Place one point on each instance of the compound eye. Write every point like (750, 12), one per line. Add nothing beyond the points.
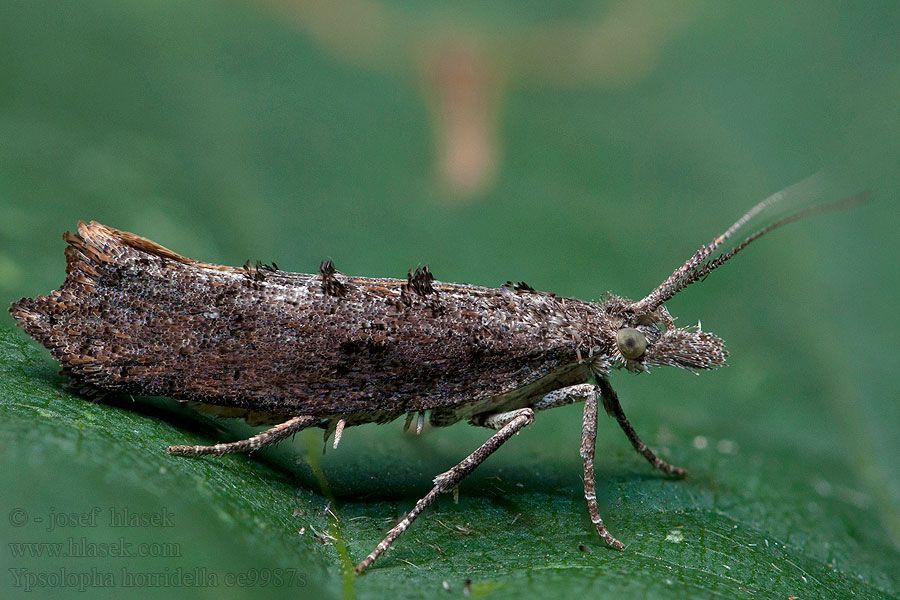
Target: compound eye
(631, 343)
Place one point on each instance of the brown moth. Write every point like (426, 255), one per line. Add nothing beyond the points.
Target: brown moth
(328, 350)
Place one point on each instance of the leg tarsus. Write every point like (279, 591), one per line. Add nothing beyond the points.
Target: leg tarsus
(269, 436)
(508, 424)
(614, 409)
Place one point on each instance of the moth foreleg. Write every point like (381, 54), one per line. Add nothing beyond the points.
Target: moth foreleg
(269, 436)
(614, 409)
(508, 424)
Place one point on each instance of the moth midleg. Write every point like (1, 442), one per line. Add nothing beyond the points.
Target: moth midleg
(566, 395)
(589, 393)
(588, 442)
(554, 399)
(508, 424)
(269, 436)
(614, 409)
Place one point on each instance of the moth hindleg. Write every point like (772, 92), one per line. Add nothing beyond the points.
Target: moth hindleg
(269, 436)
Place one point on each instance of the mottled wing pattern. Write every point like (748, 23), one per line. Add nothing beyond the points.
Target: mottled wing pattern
(136, 317)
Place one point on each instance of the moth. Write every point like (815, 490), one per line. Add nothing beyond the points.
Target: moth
(328, 350)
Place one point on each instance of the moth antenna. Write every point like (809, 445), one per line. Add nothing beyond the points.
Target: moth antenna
(700, 264)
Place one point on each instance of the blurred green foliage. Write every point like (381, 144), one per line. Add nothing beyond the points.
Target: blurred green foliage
(230, 130)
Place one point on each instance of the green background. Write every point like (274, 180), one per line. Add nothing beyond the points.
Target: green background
(236, 130)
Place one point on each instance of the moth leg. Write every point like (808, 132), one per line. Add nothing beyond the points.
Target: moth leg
(588, 442)
(269, 436)
(614, 409)
(507, 423)
(566, 395)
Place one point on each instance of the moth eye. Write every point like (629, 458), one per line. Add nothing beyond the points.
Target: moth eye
(631, 343)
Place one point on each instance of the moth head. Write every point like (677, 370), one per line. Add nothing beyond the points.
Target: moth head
(688, 348)
(645, 334)
(645, 340)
